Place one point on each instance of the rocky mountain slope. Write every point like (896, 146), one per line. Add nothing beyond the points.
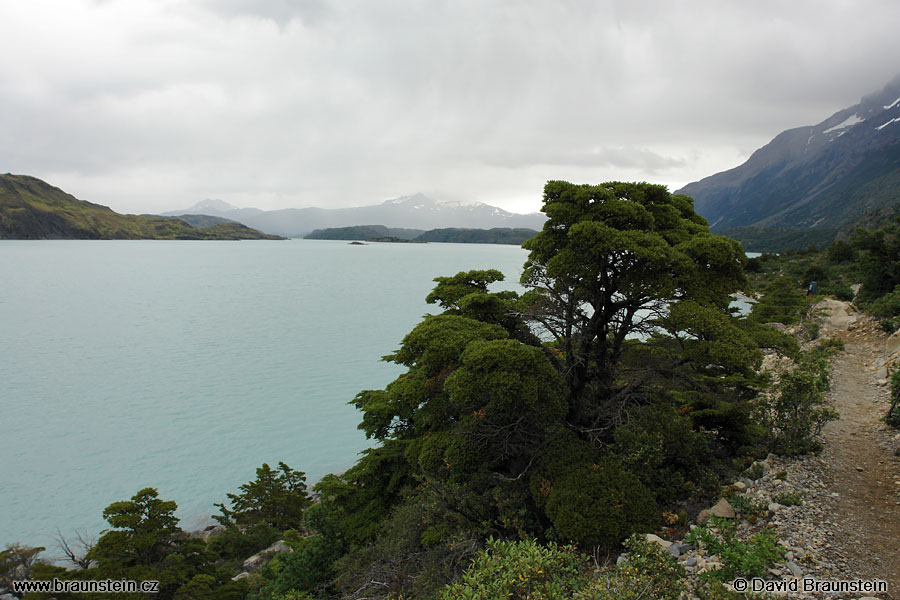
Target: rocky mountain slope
(31, 209)
(813, 180)
(410, 212)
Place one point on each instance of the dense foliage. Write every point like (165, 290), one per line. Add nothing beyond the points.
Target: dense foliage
(495, 235)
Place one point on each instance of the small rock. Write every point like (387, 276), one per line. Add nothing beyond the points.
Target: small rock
(655, 538)
(622, 559)
(691, 562)
(674, 550)
(795, 570)
(712, 565)
(240, 576)
(740, 486)
(774, 507)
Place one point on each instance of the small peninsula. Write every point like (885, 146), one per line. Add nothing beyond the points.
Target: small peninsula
(31, 209)
(456, 235)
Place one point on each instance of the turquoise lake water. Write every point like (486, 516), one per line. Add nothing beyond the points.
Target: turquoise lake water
(186, 365)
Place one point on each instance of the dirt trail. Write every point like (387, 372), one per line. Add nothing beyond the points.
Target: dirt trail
(861, 471)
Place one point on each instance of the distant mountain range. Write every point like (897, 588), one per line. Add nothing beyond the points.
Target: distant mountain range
(408, 212)
(811, 183)
(31, 209)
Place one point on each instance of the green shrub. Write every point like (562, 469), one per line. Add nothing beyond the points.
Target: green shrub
(809, 329)
(234, 544)
(828, 348)
(600, 504)
(892, 417)
(526, 570)
(739, 558)
(753, 265)
(841, 251)
(523, 570)
(744, 505)
(886, 306)
(661, 447)
(788, 498)
(840, 290)
(755, 471)
(814, 273)
(277, 497)
(649, 572)
(796, 414)
(781, 302)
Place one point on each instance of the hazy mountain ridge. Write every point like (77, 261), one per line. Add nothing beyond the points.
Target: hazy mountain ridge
(31, 209)
(818, 177)
(407, 212)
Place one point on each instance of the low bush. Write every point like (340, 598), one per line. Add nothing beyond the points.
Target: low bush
(526, 570)
(892, 417)
(841, 251)
(523, 569)
(744, 505)
(788, 498)
(661, 447)
(839, 290)
(748, 558)
(600, 504)
(886, 306)
(648, 572)
(781, 302)
(796, 413)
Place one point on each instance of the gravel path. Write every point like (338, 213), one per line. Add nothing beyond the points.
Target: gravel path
(858, 464)
(848, 526)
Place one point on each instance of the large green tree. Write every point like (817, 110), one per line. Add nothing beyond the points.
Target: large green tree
(145, 543)
(143, 531)
(536, 414)
(608, 267)
(276, 498)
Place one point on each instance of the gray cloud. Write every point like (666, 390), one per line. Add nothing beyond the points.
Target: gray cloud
(310, 12)
(149, 105)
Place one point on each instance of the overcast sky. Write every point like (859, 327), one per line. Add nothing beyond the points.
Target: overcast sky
(153, 105)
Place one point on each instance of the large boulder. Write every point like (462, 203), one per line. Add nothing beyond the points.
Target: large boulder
(256, 562)
(721, 509)
(892, 345)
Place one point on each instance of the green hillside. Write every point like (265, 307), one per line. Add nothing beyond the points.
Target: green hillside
(31, 209)
(497, 235)
(456, 235)
(363, 232)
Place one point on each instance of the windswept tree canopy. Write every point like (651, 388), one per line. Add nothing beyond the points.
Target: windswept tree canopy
(537, 415)
(611, 262)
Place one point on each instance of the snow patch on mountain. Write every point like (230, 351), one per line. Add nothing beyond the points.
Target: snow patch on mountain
(879, 128)
(849, 121)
